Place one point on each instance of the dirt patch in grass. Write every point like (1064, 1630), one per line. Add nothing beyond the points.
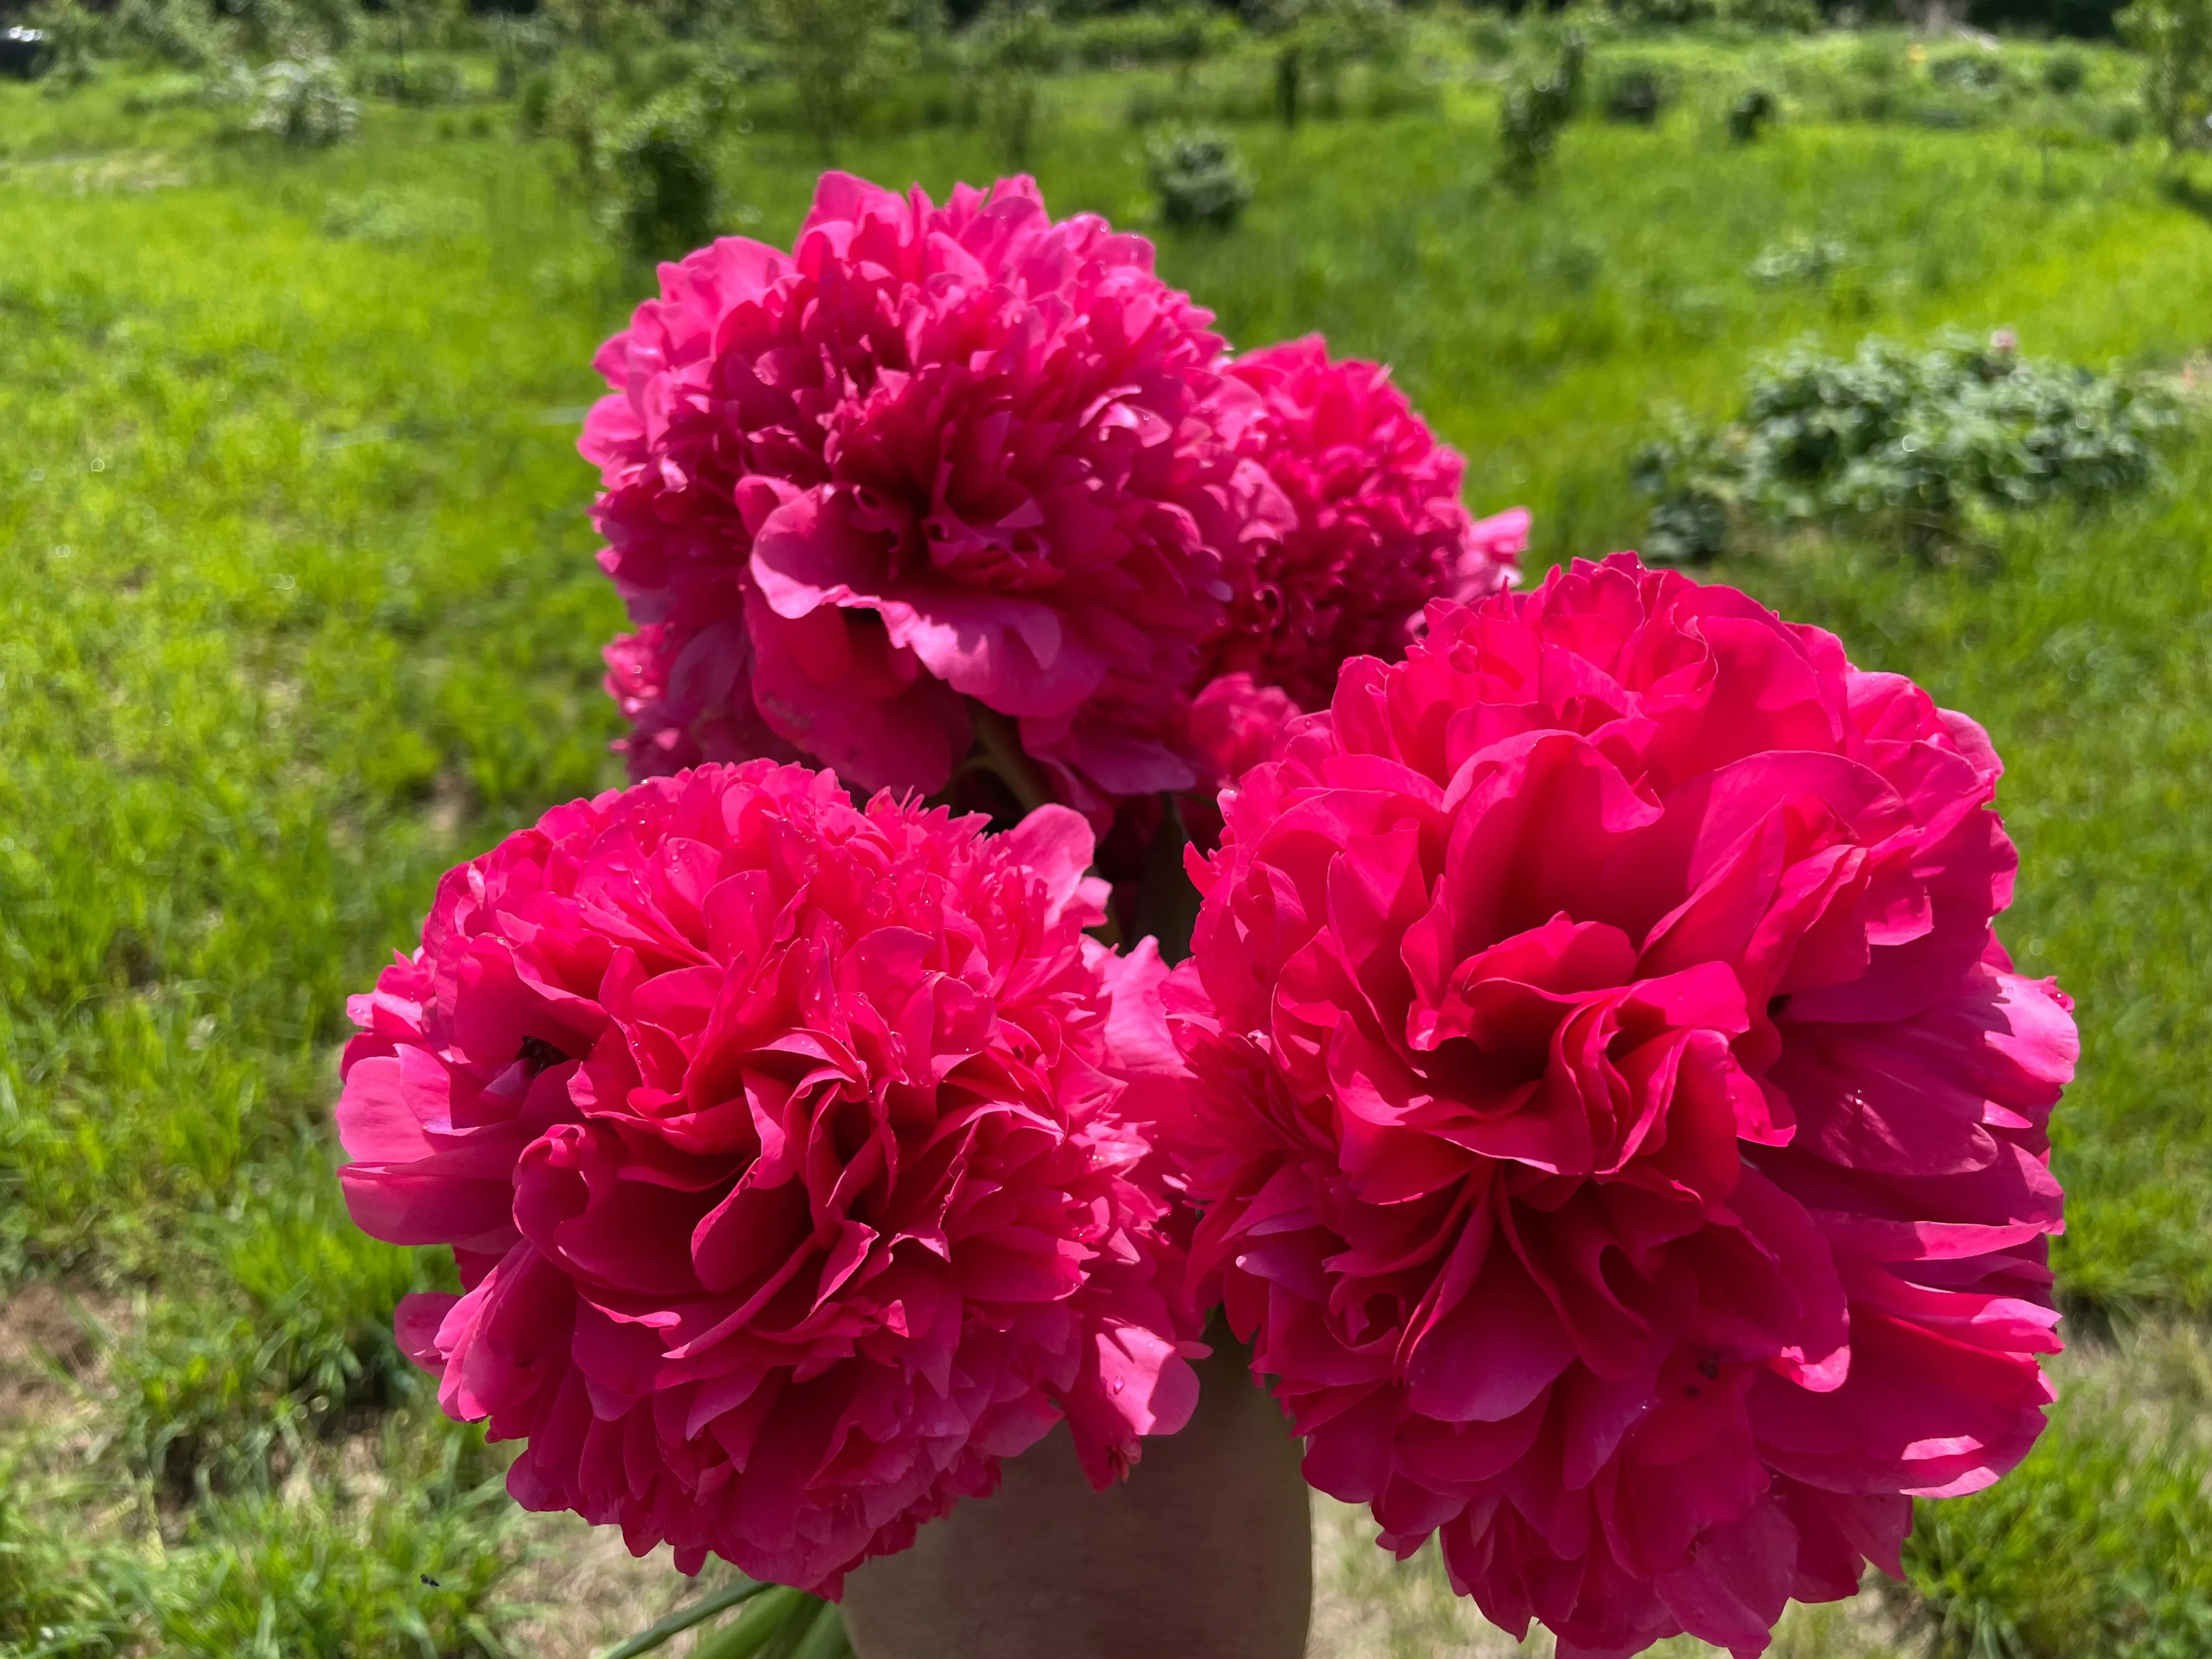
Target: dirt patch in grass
(50, 1344)
(590, 1592)
(1368, 1606)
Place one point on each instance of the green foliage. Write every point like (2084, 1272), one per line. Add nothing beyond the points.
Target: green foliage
(303, 102)
(1006, 57)
(1316, 41)
(224, 1393)
(1635, 92)
(1800, 259)
(1535, 108)
(182, 33)
(2064, 72)
(1776, 16)
(2175, 36)
(409, 1558)
(1917, 439)
(53, 1603)
(662, 198)
(825, 51)
(1200, 179)
(73, 39)
(1183, 36)
(1752, 111)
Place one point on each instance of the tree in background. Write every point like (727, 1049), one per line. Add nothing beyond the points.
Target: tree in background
(2176, 35)
(1316, 41)
(1009, 51)
(824, 46)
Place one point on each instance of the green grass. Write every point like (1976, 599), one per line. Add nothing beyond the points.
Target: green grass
(301, 609)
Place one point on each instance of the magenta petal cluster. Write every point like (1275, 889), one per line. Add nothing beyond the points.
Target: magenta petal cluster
(784, 1149)
(931, 455)
(1620, 1132)
(1376, 527)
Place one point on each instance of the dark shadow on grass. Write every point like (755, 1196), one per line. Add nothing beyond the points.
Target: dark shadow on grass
(2188, 188)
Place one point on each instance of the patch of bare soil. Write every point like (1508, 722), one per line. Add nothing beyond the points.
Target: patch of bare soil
(49, 1343)
(1368, 1606)
(592, 1593)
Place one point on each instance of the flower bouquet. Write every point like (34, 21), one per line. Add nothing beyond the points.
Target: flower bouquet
(1129, 918)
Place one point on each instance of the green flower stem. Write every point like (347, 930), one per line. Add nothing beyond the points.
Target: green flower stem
(698, 1612)
(754, 1628)
(1002, 752)
(825, 1637)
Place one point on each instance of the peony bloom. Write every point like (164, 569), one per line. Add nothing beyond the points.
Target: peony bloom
(1234, 723)
(1375, 528)
(1618, 1126)
(688, 697)
(781, 1146)
(933, 453)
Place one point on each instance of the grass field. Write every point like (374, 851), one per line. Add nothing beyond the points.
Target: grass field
(300, 608)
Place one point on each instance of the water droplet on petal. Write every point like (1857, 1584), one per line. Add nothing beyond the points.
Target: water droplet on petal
(1119, 1384)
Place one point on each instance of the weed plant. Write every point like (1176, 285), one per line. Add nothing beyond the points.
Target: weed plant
(1924, 443)
(1199, 178)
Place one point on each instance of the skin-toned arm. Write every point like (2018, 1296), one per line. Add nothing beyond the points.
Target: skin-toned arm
(1205, 1552)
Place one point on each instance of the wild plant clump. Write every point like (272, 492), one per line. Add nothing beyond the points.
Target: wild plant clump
(1199, 178)
(662, 198)
(1923, 439)
(1754, 110)
(1800, 259)
(1533, 110)
(2175, 37)
(1636, 93)
(303, 101)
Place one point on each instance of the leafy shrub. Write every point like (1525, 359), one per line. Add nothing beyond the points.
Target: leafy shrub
(1972, 71)
(421, 83)
(1006, 56)
(303, 102)
(1182, 37)
(1316, 40)
(1533, 110)
(1199, 178)
(2175, 36)
(825, 49)
(1776, 16)
(1636, 93)
(1491, 34)
(1800, 259)
(1918, 438)
(1656, 14)
(661, 196)
(70, 48)
(175, 32)
(1754, 110)
(2064, 72)
(520, 46)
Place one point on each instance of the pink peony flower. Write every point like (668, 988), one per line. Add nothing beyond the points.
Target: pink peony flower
(781, 1146)
(1234, 723)
(934, 453)
(1376, 527)
(1619, 1128)
(688, 697)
